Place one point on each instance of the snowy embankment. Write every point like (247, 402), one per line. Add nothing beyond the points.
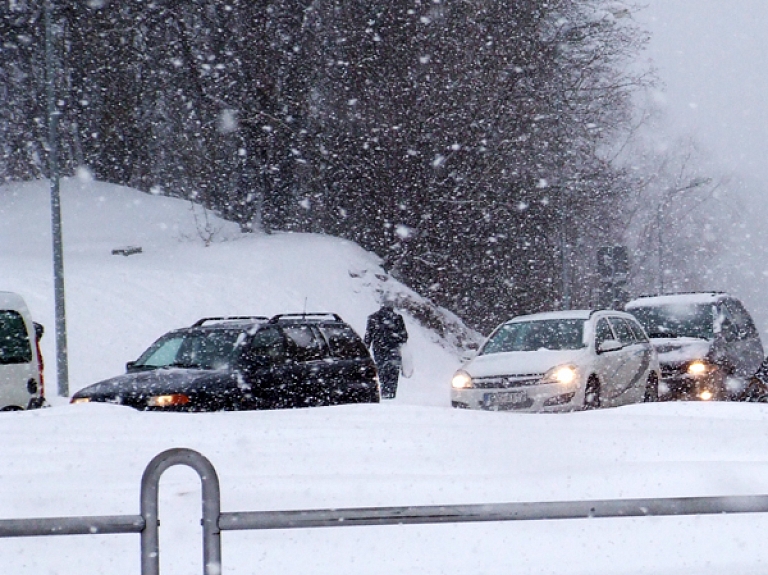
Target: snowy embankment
(88, 459)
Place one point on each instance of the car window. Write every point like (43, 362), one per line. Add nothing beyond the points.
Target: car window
(603, 332)
(268, 343)
(741, 319)
(623, 332)
(162, 353)
(637, 330)
(14, 340)
(308, 344)
(343, 342)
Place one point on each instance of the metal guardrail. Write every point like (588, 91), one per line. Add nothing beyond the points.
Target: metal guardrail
(214, 522)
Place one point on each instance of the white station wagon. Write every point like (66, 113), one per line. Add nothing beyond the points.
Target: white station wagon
(560, 361)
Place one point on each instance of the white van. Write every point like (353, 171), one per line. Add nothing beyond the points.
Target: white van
(21, 365)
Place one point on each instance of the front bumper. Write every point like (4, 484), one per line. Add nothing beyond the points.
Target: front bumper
(546, 398)
(678, 385)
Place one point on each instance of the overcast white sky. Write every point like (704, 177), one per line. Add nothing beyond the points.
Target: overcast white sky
(712, 57)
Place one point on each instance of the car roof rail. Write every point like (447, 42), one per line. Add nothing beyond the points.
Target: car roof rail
(704, 291)
(230, 318)
(314, 315)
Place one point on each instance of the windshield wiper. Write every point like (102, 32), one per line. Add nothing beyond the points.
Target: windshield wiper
(183, 365)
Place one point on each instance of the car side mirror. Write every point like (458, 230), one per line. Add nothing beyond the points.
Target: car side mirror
(130, 366)
(609, 345)
(469, 352)
(39, 330)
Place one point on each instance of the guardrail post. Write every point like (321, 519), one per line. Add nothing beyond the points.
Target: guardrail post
(150, 482)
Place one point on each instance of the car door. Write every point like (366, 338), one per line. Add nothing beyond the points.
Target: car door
(607, 362)
(266, 369)
(630, 366)
(351, 371)
(18, 366)
(310, 359)
(745, 351)
(646, 353)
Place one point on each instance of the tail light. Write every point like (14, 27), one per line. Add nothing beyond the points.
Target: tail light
(40, 368)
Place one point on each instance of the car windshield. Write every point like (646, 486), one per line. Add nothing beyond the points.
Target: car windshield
(677, 320)
(554, 334)
(192, 349)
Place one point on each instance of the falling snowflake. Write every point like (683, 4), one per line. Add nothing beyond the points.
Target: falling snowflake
(84, 174)
(403, 232)
(227, 121)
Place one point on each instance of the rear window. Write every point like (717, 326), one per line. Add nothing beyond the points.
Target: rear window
(14, 340)
(307, 344)
(344, 343)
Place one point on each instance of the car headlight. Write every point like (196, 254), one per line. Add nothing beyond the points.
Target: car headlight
(698, 367)
(461, 380)
(80, 400)
(566, 375)
(170, 400)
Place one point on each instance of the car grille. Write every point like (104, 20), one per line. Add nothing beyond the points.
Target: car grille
(672, 371)
(507, 381)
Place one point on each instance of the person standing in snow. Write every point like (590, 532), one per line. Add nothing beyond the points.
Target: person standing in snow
(385, 334)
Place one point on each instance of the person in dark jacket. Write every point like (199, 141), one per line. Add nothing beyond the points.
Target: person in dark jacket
(385, 333)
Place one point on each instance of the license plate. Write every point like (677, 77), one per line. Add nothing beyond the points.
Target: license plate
(505, 398)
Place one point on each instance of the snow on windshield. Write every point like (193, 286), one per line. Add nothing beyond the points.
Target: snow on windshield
(554, 334)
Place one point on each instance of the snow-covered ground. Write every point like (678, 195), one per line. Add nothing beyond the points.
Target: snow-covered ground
(88, 459)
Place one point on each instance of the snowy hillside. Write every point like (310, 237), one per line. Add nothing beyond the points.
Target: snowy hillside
(192, 265)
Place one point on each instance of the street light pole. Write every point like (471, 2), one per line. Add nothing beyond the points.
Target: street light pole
(565, 264)
(694, 183)
(661, 249)
(62, 370)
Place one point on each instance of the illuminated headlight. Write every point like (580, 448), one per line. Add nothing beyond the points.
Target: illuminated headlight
(706, 395)
(698, 367)
(80, 400)
(170, 400)
(462, 380)
(562, 374)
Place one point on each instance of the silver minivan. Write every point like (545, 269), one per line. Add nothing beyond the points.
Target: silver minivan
(708, 345)
(21, 365)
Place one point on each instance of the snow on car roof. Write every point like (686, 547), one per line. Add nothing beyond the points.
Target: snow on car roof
(565, 314)
(10, 300)
(676, 299)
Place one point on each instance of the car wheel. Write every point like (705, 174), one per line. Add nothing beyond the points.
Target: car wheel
(592, 393)
(651, 389)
